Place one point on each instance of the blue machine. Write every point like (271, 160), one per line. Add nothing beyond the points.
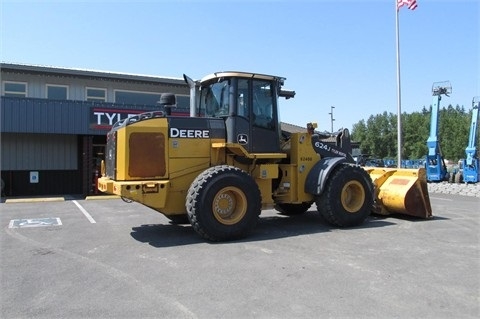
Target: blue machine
(471, 172)
(435, 163)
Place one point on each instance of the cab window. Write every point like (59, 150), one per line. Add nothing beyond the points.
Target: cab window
(243, 98)
(214, 101)
(263, 104)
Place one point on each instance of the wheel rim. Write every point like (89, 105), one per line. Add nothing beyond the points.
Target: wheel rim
(229, 205)
(353, 196)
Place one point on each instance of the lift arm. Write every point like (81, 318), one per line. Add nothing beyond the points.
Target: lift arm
(471, 150)
(436, 168)
(432, 142)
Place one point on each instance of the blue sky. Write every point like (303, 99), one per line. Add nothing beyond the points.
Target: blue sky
(333, 53)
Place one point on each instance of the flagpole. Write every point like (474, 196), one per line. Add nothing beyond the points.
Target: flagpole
(399, 99)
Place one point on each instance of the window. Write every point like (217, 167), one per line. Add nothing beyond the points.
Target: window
(214, 99)
(57, 92)
(15, 89)
(139, 98)
(262, 104)
(243, 99)
(183, 101)
(94, 94)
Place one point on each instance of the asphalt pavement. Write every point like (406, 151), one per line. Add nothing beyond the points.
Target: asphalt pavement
(76, 258)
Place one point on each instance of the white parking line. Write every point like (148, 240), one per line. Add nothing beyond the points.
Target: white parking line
(89, 217)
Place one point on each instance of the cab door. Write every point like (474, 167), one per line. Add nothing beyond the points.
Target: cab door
(254, 123)
(264, 120)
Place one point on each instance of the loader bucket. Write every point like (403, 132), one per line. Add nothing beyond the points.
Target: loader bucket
(400, 191)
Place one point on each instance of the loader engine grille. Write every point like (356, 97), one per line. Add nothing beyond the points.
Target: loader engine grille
(147, 154)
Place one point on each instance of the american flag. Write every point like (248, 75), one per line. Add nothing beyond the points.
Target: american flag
(411, 4)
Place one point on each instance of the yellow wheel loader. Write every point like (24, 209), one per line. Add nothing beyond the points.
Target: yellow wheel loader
(218, 168)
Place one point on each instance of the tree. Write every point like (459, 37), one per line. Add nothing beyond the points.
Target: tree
(378, 136)
(415, 133)
(454, 128)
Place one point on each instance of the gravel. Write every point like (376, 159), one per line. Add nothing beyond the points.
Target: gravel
(455, 189)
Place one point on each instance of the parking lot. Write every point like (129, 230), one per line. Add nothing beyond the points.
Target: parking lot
(79, 258)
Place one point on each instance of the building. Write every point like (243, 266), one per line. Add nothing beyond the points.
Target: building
(54, 123)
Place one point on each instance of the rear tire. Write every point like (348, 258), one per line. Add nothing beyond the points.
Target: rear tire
(293, 209)
(347, 198)
(223, 203)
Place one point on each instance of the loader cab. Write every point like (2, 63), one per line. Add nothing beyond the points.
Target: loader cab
(249, 105)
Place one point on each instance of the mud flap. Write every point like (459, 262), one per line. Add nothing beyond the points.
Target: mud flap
(400, 191)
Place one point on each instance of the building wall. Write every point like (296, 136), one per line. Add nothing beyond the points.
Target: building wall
(60, 142)
(31, 115)
(22, 151)
(28, 115)
(37, 85)
(49, 182)
(41, 164)
(43, 135)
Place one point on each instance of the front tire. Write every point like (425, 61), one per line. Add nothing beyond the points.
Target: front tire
(347, 198)
(223, 203)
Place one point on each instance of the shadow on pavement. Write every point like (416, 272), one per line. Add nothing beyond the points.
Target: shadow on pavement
(269, 227)
(408, 218)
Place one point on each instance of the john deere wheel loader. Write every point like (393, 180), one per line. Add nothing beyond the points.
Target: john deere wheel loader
(230, 159)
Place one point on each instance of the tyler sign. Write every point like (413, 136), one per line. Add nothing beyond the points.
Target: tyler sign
(103, 119)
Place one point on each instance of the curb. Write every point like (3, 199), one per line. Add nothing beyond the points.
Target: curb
(55, 199)
(33, 200)
(102, 197)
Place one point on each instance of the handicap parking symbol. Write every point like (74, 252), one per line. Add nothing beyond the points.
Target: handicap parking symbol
(34, 222)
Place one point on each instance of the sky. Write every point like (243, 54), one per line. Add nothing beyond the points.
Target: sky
(332, 53)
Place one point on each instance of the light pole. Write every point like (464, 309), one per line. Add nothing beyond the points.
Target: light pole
(331, 116)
